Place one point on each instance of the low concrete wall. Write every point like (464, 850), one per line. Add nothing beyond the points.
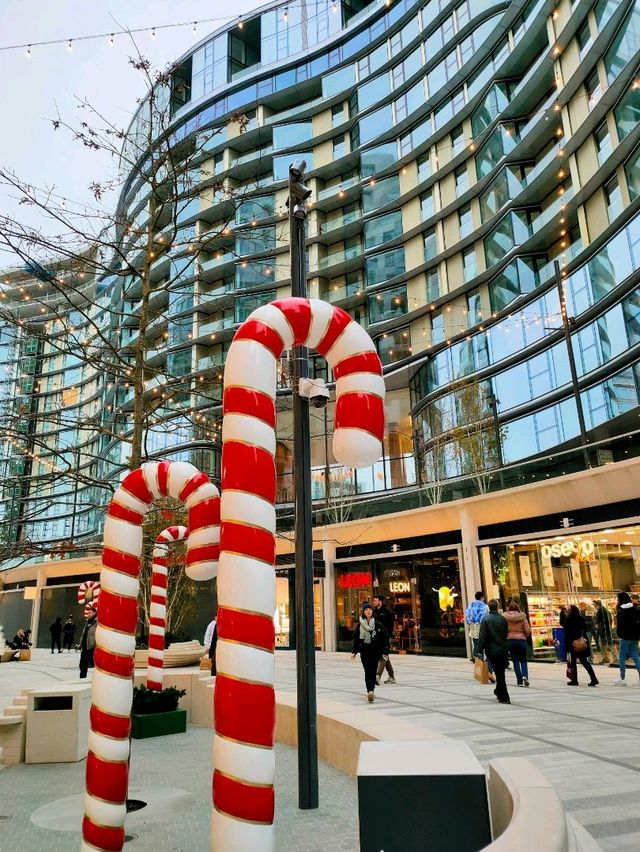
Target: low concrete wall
(342, 728)
(527, 813)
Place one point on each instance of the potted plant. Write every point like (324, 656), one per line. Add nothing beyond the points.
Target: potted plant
(156, 714)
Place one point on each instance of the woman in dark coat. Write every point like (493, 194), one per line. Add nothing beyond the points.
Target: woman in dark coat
(575, 637)
(370, 643)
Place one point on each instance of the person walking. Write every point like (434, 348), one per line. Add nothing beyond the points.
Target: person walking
(575, 637)
(88, 642)
(602, 624)
(589, 627)
(492, 640)
(211, 641)
(628, 630)
(384, 616)
(55, 630)
(69, 633)
(473, 616)
(518, 633)
(366, 642)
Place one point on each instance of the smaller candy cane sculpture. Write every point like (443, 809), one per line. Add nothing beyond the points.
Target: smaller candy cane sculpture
(243, 796)
(112, 692)
(158, 609)
(89, 592)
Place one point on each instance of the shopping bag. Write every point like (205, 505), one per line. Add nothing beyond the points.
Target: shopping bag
(481, 670)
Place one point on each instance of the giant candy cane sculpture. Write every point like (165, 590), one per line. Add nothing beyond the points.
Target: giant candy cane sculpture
(112, 693)
(243, 799)
(158, 607)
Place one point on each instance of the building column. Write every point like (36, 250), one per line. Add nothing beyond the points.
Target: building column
(329, 632)
(41, 582)
(471, 566)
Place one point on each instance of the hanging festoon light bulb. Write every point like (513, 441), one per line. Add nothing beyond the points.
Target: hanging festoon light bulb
(111, 40)
(195, 26)
(240, 22)
(70, 45)
(153, 33)
(27, 52)
(285, 17)
(334, 7)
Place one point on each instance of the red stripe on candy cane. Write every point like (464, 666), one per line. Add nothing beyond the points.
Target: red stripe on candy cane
(246, 401)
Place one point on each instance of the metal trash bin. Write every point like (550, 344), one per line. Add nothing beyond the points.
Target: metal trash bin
(58, 723)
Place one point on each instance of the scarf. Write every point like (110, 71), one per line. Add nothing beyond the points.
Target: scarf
(367, 630)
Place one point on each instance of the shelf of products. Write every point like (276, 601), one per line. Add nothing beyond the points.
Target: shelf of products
(543, 617)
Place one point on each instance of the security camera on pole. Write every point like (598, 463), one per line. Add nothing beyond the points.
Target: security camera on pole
(305, 390)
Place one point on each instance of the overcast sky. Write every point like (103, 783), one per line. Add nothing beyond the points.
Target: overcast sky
(33, 90)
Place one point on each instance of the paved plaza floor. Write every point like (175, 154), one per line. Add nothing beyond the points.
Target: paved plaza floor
(586, 741)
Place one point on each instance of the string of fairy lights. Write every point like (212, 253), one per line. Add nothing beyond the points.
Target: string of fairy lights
(154, 30)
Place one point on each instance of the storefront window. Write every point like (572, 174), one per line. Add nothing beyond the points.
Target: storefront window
(285, 597)
(543, 575)
(422, 591)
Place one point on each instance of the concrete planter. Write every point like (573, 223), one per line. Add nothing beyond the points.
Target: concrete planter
(145, 725)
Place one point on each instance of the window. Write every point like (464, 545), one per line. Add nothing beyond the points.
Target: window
(378, 159)
(374, 91)
(603, 142)
(627, 112)
(244, 305)
(461, 176)
(375, 123)
(382, 229)
(430, 244)
(382, 267)
(339, 147)
(255, 241)
(394, 346)
(255, 209)
(424, 167)
(378, 193)
(457, 141)
(254, 273)
(613, 198)
(469, 264)
(433, 285)
(437, 327)
(281, 164)
(465, 221)
(338, 81)
(593, 88)
(387, 304)
(339, 114)
(632, 171)
(583, 37)
(426, 205)
(474, 309)
(290, 135)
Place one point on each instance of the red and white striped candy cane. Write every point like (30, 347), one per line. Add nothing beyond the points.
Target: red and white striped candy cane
(243, 797)
(89, 592)
(112, 693)
(158, 607)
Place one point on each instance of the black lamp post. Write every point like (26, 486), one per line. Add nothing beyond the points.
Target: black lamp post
(304, 627)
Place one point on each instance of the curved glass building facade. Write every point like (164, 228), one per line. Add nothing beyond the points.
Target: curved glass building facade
(456, 151)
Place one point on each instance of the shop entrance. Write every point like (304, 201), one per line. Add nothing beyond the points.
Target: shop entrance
(422, 590)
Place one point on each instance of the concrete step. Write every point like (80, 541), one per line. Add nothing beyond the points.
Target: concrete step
(20, 701)
(15, 711)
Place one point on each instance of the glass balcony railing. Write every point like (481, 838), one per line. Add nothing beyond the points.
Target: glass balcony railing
(340, 187)
(340, 257)
(335, 293)
(340, 222)
(215, 326)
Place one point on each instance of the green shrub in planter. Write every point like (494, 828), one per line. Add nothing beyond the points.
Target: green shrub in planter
(156, 714)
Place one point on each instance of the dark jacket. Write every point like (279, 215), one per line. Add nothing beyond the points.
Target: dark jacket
(56, 629)
(385, 617)
(574, 628)
(69, 631)
(88, 638)
(493, 635)
(602, 621)
(379, 640)
(628, 624)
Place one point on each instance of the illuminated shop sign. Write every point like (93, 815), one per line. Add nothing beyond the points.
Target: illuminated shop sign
(399, 586)
(353, 581)
(582, 549)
